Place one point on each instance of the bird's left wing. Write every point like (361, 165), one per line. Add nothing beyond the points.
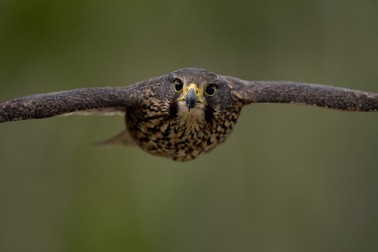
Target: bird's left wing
(302, 93)
(106, 99)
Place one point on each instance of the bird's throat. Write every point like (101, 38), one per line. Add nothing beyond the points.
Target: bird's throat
(192, 120)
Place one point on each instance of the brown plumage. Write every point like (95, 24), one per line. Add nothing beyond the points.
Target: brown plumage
(186, 112)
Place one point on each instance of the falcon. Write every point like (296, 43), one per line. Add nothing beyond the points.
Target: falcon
(184, 113)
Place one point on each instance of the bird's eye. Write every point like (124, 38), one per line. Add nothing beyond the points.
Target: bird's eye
(210, 89)
(178, 85)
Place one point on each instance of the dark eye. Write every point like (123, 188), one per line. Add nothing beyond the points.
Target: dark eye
(210, 89)
(178, 85)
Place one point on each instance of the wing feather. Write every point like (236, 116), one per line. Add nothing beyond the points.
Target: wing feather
(106, 99)
(302, 93)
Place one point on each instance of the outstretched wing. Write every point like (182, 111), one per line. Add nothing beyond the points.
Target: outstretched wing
(107, 99)
(302, 93)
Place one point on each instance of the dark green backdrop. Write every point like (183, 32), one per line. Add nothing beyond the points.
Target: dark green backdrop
(289, 178)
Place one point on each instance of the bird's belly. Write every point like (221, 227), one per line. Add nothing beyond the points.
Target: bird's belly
(175, 141)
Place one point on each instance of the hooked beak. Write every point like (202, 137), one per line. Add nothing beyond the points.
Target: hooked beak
(192, 95)
(191, 99)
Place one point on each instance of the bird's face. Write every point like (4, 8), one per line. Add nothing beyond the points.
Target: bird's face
(194, 97)
(198, 92)
(190, 95)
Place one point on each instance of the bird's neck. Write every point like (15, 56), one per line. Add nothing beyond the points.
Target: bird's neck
(193, 120)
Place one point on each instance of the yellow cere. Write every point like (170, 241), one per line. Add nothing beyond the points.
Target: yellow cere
(198, 91)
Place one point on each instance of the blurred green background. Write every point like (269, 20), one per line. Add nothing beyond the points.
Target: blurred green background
(290, 178)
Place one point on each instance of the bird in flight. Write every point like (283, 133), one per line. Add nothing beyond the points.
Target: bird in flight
(184, 113)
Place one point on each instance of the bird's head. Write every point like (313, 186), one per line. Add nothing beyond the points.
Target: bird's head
(198, 90)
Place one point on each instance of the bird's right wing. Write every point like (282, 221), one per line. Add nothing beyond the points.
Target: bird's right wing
(106, 99)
